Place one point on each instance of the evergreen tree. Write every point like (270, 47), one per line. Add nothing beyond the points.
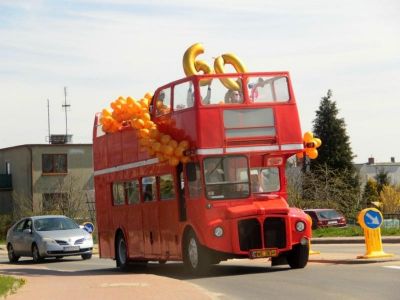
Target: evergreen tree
(382, 179)
(335, 151)
(370, 193)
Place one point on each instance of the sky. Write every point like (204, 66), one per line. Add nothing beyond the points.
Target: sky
(103, 49)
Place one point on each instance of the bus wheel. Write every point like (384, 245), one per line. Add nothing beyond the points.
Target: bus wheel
(121, 253)
(297, 258)
(196, 258)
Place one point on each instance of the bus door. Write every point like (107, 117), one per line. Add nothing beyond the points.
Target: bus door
(168, 216)
(150, 217)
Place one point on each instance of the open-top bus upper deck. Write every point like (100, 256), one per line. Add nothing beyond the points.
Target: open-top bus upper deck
(218, 114)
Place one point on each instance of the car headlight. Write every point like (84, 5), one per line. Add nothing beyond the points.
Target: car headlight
(300, 226)
(218, 231)
(88, 238)
(49, 241)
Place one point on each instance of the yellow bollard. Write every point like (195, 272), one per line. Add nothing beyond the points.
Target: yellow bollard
(370, 220)
(311, 252)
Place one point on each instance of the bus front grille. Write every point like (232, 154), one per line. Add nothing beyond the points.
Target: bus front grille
(249, 234)
(274, 233)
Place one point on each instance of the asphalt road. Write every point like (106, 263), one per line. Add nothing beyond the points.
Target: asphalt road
(335, 273)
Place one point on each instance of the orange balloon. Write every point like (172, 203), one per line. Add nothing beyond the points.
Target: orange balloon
(173, 161)
(184, 159)
(165, 139)
(308, 136)
(179, 151)
(154, 133)
(317, 142)
(156, 146)
(168, 150)
(312, 153)
(173, 143)
(144, 132)
(300, 155)
(184, 144)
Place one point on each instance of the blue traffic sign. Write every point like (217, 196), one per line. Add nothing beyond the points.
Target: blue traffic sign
(372, 219)
(89, 227)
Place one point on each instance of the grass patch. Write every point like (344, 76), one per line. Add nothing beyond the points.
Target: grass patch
(349, 231)
(8, 285)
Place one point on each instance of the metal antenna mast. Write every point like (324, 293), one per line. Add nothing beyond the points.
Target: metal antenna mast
(48, 119)
(66, 106)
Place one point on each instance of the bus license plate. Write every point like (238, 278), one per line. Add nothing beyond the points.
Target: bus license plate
(71, 248)
(263, 253)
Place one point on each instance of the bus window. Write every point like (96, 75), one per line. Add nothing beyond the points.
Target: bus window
(194, 182)
(225, 177)
(183, 95)
(132, 191)
(163, 102)
(167, 190)
(265, 180)
(149, 188)
(268, 89)
(118, 193)
(217, 93)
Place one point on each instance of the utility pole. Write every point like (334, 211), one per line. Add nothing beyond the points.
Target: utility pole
(66, 106)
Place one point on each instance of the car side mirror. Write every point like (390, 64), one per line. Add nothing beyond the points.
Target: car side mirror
(27, 230)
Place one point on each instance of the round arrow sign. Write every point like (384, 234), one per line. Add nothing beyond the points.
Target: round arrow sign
(370, 218)
(89, 227)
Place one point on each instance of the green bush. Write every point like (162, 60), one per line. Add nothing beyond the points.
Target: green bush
(349, 231)
(5, 222)
(8, 285)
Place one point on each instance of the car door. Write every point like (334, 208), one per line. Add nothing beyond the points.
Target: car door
(27, 237)
(16, 237)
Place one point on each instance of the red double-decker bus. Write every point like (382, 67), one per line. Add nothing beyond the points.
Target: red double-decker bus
(229, 200)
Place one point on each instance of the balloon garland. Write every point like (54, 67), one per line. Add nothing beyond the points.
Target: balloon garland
(310, 145)
(131, 113)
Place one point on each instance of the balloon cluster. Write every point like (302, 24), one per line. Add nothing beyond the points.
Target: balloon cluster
(131, 113)
(310, 146)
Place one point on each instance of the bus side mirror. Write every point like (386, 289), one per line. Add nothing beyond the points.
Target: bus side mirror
(191, 171)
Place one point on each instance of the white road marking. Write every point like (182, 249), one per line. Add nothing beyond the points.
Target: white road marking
(124, 284)
(392, 267)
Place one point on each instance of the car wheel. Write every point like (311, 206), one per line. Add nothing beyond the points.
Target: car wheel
(195, 258)
(35, 254)
(11, 254)
(86, 256)
(121, 253)
(297, 258)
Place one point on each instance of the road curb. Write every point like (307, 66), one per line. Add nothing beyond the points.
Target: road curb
(352, 240)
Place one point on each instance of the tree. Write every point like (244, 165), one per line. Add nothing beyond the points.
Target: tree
(332, 179)
(370, 193)
(382, 179)
(390, 199)
(335, 151)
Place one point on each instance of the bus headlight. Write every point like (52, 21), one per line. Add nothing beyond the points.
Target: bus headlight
(218, 231)
(300, 226)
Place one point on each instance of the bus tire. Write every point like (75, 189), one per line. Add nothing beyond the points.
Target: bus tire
(195, 257)
(121, 254)
(297, 258)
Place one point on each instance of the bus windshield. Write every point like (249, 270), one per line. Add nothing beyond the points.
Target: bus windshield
(226, 177)
(264, 180)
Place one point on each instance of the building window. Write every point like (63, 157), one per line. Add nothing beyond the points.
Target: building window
(132, 191)
(53, 202)
(167, 190)
(54, 163)
(118, 193)
(8, 168)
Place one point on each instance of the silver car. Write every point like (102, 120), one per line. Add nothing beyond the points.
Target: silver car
(48, 236)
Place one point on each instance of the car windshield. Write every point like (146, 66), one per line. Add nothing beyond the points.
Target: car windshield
(329, 214)
(52, 224)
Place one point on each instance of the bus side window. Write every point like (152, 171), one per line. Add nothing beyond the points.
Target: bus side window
(132, 191)
(118, 193)
(194, 179)
(149, 188)
(167, 190)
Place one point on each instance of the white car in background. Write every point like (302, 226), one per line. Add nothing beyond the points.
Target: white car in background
(48, 236)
